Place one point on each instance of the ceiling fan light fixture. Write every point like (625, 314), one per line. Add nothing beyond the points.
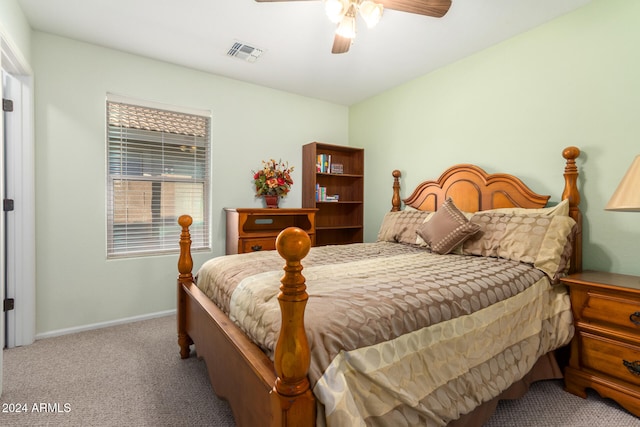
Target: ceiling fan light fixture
(347, 27)
(336, 9)
(371, 12)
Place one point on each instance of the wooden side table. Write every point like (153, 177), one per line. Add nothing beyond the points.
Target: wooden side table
(250, 230)
(605, 351)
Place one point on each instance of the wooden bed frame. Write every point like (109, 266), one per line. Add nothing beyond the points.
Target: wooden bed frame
(262, 392)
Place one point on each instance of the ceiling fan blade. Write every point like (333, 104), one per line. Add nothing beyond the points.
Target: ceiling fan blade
(434, 8)
(341, 44)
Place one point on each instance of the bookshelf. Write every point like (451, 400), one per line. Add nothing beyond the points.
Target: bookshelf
(338, 220)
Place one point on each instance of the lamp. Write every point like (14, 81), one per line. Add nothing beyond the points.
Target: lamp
(627, 195)
(343, 13)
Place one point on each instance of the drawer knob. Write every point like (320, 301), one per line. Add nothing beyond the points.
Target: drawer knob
(633, 367)
(635, 318)
(256, 248)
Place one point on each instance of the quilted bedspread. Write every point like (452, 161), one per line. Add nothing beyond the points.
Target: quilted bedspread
(400, 336)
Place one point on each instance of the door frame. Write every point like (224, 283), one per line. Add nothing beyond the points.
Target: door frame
(19, 230)
(21, 182)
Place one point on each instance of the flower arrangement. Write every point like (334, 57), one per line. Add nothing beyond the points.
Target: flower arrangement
(274, 179)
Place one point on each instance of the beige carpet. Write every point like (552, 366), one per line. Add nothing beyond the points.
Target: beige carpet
(127, 375)
(132, 375)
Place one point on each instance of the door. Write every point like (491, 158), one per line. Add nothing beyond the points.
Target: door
(2, 240)
(16, 130)
(9, 104)
(19, 217)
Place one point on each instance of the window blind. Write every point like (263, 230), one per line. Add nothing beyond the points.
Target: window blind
(158, 169)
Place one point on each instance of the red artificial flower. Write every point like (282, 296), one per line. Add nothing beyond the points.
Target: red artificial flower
(273, 179)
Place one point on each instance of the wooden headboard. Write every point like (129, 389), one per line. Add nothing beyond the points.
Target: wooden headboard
(472, 190)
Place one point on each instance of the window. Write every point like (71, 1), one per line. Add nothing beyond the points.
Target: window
(158, 169)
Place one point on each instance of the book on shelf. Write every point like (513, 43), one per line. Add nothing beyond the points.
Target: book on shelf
(323, 163)
(321, 195)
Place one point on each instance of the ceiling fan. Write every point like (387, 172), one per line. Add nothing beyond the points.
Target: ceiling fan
(343, 13)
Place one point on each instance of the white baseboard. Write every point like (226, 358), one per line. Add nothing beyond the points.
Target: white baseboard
(100, 325)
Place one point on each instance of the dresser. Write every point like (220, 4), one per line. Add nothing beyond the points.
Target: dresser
(250, 230)
(605, 351)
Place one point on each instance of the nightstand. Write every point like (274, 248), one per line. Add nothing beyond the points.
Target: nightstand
(605, 351)
(251, 230)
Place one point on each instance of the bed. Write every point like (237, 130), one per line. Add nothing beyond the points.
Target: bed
(294, 349)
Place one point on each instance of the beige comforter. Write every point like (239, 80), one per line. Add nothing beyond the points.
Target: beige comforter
(400, 336)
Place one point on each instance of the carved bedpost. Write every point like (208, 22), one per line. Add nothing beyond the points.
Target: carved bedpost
(395, 200)
(185, 265)
(572, 193)
(291, 394)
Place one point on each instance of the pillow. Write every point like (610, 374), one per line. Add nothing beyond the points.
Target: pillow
(458, 249)
(400, 226)
(542, 240)
(565, 257)
(487, 241)
(561, 209)
(446, 229)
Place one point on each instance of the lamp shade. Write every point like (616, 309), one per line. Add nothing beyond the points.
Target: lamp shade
(627, 195)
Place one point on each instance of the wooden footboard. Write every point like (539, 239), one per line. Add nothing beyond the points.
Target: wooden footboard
(260, 392)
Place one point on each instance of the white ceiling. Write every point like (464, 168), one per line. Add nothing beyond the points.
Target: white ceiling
(296, 37)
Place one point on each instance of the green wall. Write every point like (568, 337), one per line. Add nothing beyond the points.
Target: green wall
(513, 108)
(15, 29)
(76, 285)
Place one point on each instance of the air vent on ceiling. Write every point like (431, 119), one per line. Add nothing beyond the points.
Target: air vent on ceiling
(244, 51)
